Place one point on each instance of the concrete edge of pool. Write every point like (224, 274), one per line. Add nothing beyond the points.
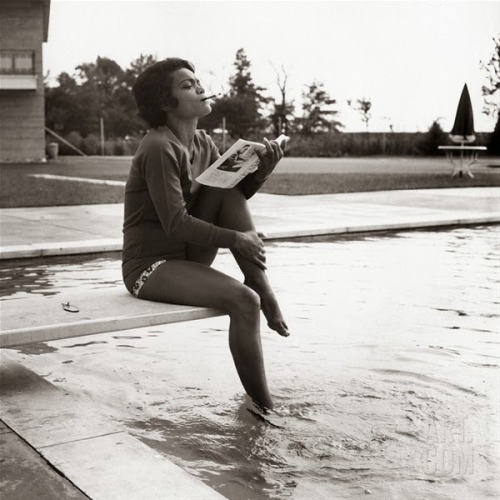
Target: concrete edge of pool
(73, 452)
(115, 245)
(70, 230)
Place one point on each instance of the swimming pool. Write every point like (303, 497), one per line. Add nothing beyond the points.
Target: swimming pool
(388, 384)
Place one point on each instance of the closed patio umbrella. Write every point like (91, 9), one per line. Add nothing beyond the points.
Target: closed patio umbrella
(463, 128)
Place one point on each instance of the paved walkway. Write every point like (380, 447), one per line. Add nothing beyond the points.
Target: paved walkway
(62, 431)
(33, 232)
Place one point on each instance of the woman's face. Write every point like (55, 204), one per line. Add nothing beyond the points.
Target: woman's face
(189, 92)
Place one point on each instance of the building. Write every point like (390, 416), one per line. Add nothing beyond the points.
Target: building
(23, 29)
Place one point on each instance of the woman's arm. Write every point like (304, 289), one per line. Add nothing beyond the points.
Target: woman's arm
(162, 171)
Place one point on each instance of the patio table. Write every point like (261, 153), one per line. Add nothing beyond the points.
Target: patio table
(462, 158)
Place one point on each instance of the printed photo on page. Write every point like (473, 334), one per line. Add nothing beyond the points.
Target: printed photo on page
(236, 163)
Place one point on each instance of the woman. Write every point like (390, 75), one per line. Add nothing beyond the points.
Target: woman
(173, 226)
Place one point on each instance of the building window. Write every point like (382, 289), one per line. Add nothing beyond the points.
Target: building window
(17, 62)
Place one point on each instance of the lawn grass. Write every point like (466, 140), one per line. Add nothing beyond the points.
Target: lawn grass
(18, 187)
(348, 182)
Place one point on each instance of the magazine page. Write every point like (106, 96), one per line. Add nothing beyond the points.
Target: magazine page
(236, 163)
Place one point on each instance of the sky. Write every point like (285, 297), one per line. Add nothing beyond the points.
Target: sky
(411, 58)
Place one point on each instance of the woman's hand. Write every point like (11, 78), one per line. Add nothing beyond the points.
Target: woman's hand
(269, 158)
(250, 246)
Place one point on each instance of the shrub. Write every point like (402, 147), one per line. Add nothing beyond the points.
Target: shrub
(494, 139)
(91, 145)
(434, 137)
(73, 138)
(114, 147)
(130, 144)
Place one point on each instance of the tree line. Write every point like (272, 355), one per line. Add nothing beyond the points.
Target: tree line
(100, 92)
(102, 89)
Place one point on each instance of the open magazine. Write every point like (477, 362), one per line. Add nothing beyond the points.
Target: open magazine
(236, 163)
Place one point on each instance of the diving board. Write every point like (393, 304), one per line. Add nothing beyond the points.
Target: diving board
(43, 318)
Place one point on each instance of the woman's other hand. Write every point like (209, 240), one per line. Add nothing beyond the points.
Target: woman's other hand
(250, 246)
(269, 158)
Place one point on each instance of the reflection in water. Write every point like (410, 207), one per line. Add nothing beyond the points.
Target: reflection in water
(55, 275)
(388, 384)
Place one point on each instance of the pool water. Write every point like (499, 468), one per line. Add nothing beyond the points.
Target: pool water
(388, 385)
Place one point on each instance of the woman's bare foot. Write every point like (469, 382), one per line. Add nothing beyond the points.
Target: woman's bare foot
(270, 307)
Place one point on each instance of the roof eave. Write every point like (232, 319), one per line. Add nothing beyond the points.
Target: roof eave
(46, 15)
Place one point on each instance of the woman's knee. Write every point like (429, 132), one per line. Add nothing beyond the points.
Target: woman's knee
(243, 301)
(224, 195)
(236, 194)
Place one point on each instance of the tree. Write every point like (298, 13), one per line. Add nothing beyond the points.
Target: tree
(135, 123)
(137, 66)
(434, 137)
(492, 87)
(283, 109)
(80, 101)
(317, 116)
(65, 111)
(491, 95)
(363, 105)
(103, 88)
(105, 75)
(98, 89)
(242, 107)
(494, 139)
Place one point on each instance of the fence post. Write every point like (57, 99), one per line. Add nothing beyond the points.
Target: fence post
(102, 135)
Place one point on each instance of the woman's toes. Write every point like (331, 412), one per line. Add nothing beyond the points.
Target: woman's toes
(279, 327)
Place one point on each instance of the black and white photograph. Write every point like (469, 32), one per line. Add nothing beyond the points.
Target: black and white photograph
(234, 162)
(249, 250)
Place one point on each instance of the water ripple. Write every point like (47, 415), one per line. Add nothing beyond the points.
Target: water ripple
(388, 384)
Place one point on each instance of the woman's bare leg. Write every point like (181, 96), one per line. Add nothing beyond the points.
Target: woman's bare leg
(192, 283)
(229, 209)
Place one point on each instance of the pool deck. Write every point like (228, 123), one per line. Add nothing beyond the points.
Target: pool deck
(54, 445)
(45, 231)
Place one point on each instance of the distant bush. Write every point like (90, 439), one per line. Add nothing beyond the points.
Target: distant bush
(494, 139)
(429, 142)
(91, 145)
(354, 144)
(374, 144)
(73, 138)
(327, 145)
(130, 145)
(114, 147)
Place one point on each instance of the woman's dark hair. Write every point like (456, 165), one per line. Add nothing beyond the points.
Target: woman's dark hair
(152, 89)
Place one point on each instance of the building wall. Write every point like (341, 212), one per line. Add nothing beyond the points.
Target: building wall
(22, 113)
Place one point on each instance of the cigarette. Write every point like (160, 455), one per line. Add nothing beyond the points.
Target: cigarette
(210, 97)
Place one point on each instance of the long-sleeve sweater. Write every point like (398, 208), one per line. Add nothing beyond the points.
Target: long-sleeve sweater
(159, 193)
